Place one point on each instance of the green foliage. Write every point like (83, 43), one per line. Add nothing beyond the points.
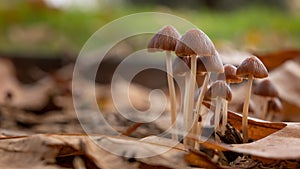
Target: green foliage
(68, 30)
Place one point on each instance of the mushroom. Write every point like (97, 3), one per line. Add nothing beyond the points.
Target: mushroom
(250, 68)
(230, 74)
(230, 77)
(194, 42)
(266, 90)
(166, 40)
(218, 91)
(205, 65)
(274, 106)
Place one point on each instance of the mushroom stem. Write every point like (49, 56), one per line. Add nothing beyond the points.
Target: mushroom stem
(200, 100)
(198, 127)
(217, 115)
(202, 92)
(185, 106)
(189, 109)
(224, 116)
(184, 95)
(172, 94)
(246, 108)
(264, 109)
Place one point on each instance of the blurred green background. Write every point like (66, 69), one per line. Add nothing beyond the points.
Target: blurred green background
(52, 27)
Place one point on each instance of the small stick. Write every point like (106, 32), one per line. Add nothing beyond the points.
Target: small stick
(131, 129)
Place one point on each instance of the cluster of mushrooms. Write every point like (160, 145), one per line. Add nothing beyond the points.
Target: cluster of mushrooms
(196, 51)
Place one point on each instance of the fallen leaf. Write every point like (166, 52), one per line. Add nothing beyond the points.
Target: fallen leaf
(285, 80)
(272, 140)
(274, 59)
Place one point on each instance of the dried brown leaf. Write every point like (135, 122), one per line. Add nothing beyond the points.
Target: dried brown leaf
(274, 140)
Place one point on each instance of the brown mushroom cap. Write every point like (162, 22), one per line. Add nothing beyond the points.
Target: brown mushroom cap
(252, 66)
(266, 88)
(219, 89)
(230, 74)
(275, 105)
(164, 39)
(208, 64)
(194, 42)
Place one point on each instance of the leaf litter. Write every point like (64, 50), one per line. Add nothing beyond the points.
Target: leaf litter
(46, 107)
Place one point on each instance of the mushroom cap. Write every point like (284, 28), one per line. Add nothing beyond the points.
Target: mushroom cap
(252, 66)
(230, 74)
(210, 64)
(266, 88)
(194, 42)
(219, 89)
(275, 105)
(164, 39)
(180, 66)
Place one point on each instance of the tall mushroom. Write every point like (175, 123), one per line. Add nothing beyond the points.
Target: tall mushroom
(194, 42)
(250, 68)
(266, 90)
(218, 91)
(166, 40)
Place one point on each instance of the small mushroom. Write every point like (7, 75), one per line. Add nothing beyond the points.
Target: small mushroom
(274, 107)
(230, 74)
(230, 77)
(193, 43)
(250, 68)
(266, 90)
(206, 65)
(218, 91)
(166, 40)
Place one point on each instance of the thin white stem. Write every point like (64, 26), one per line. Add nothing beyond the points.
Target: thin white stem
(191, 98)
(246, 109)
(224, 116)
(182, 95)
(264, 109)
(202, 92)
(185, 106)
(172, 94)
(199, 126)
(198, 132)
(217, 115)
(200, 100)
